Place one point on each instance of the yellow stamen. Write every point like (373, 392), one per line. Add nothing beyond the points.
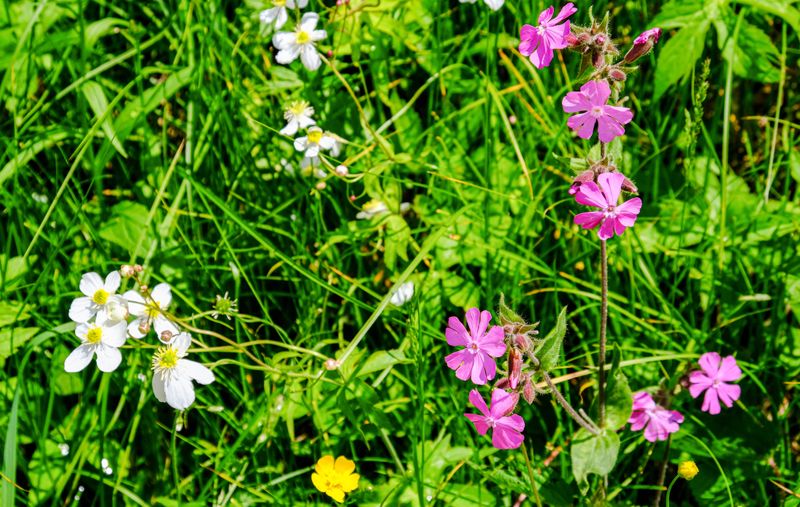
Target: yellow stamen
(278, 3)
(94, 335)
(100, 296)
(166, 358)
(303, 37)
(152, 309)
(314, 136)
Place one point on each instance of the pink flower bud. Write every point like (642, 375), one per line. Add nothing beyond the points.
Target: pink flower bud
(329, 53)
(616, 74)
(138, 268)
(528, 392)
(522, 342)
(503, 383)
(643, 44)
(332, 364)
(514, 367)
(126, 271)
(342, 170)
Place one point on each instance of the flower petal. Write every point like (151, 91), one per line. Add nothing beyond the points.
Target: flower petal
(325, 465)
(456, 333)
(284, 40)
(477, 401)
(507, 432)
(108, 358)
(90, 283)
(589, 194)
(709, 362)
(565, 12)
(82, 309)
(195, 371)
(115, 334)
(502, 403)
(729, 371)
(79, 358)
(608, 129)
(582, 124)
(158, 388)
(589, 219)
(597, 91)
(162, 295)
(729, 393)
(575, 102)
(479, 421)
(711, 402)
(344, 466)
(180, 393)
(112, 282)
(310, 57)
(611, 185)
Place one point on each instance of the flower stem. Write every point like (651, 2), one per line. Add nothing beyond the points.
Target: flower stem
(585, 423)
(530, 476)
(669, 490)
(601, 360)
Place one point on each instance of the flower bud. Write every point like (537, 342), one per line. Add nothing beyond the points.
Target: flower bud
(528, 392)
(342, 170)
(126, 271)
(332, 364)
(688, 470)
(138, 268)
(616, 74)
(503, 383)
(628, 186)
(514, 367)
(643, 44)
(515, 398)
(572, 40)
(522, 342)
(144, 326)
(116, 309)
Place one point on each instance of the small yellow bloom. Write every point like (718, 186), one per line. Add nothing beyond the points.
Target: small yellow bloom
(687, 470)
(335, 478)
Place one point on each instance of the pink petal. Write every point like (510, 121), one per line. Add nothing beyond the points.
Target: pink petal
(456, 333)
(619, 227)
(575, 102)
(474, 322)
(709, 362)
(630, 207)
(529, 39)
(655, 431)
(638, 420)
(546, 15)
(565, 12)
(460, 361)
(589, 219)
(622, 115)
(543, 55)
(557, 36)
(711, 402)
(597, 92)
(697, 389)
(611, 184)
(479, 421)
(582, 124)
(729, 393)
(492, 342)
(729, 371)
(507, 432)
(608, 129)
(606, 231)
(489, 366)
(479, 376)
(643, 401)
(502, 403)
(589, 194)
(477, 401)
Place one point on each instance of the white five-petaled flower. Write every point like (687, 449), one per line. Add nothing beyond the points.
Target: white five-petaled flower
(278, 12)
(402, 294)
(313, 142)
(151, 313)
(97, 295)
(173, 375)
(493, 4)
(102, 338)
(376, 207)
(298, 116)
(300, 43)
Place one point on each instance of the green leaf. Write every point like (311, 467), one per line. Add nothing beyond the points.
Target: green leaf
(679, 13)
(381, 360)
(780, 8)
(619, 399)
(593, 454)
(125, 225)
(678, 56)
(398, 235)
(12, 339)
(549, 350)
(12, 311)
(97, 101)
(506, 313)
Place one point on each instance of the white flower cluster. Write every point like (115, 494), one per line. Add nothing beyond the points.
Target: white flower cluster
(298, 115)
(300, 42)
(103, 327)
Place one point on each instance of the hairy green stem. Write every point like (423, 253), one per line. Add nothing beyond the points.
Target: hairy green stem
(601, 360)
(585, 423)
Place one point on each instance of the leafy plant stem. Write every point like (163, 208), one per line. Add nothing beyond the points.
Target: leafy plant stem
(601, 360)
(585, 424)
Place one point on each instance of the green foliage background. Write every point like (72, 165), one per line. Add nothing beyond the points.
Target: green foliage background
(147, 132)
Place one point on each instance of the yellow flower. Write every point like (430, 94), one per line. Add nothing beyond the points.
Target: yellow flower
(335, 478)
(687, 470)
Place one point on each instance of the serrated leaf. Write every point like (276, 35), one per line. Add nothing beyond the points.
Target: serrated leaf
(678, 56)
(593, 454)
(754, 56)
(549, 350)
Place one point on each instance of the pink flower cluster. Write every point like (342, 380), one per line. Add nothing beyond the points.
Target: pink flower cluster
(475, 362)
(712, 378)
(612, 218)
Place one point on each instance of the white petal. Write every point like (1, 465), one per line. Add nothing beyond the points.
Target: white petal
(133, 328)
(112, 282)
(327, 142)
(290, 129)
(115, 334)
(136, 304)
(78, 359)
(162, 324)
(162, 295)
(269, 15)
(158, 388)
(309, 22)
(180, 392)
(310, 57)
(108, 358)
(494, 4)
(301, 143)
(82, 309)
(182, 342)
(318, 35)
(306, 121)
(288, 55)
(312, 151)
(282, 18)
(90, 283)
(195, 371)
(283, 40)
(81, 330)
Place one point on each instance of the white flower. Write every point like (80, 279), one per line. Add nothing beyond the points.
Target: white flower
(402, 294)
(97, 294)
(376, 208)
(150, 313)
(102, 338)
(315, 141)
(173, 375)
(493, 4)
(300, 43)
(278, 14)
(298, 116)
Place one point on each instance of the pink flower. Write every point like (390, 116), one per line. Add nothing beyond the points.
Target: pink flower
(475, 360)
(715, 372)
(591, 102)
(614, 219)
(539, 42)
(507, 433)
(657, 421)
(643, 44)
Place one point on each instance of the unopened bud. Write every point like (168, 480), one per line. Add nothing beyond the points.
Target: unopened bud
(572, 40)
(522, 342)
(138, 268)
(600, 39)
(143, 288)
(688, 470)
(166, 336)
(628, 186)
(321, 185)
(616, 74)
(643, 44)
(329, 53)
(332, 364)
(599, 60)
(512, 119)
(144, 327)
(514, 367)
(528, 392)
(583, 39)
(126, 271)
(342, 170)
(503, 383)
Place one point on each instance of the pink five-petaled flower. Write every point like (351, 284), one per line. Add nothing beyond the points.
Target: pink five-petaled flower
(657, 421)
(591, 103)
(538, 42)
(481, 346)
(614, 219)
(507, 432)
(716, 371)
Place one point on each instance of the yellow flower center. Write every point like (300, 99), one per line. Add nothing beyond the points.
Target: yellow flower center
(298, 108)
(166, 358)
(100, 296)
(315, 136)
(94, 335)
(278, 3)
(303, 37)
(152, 309)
